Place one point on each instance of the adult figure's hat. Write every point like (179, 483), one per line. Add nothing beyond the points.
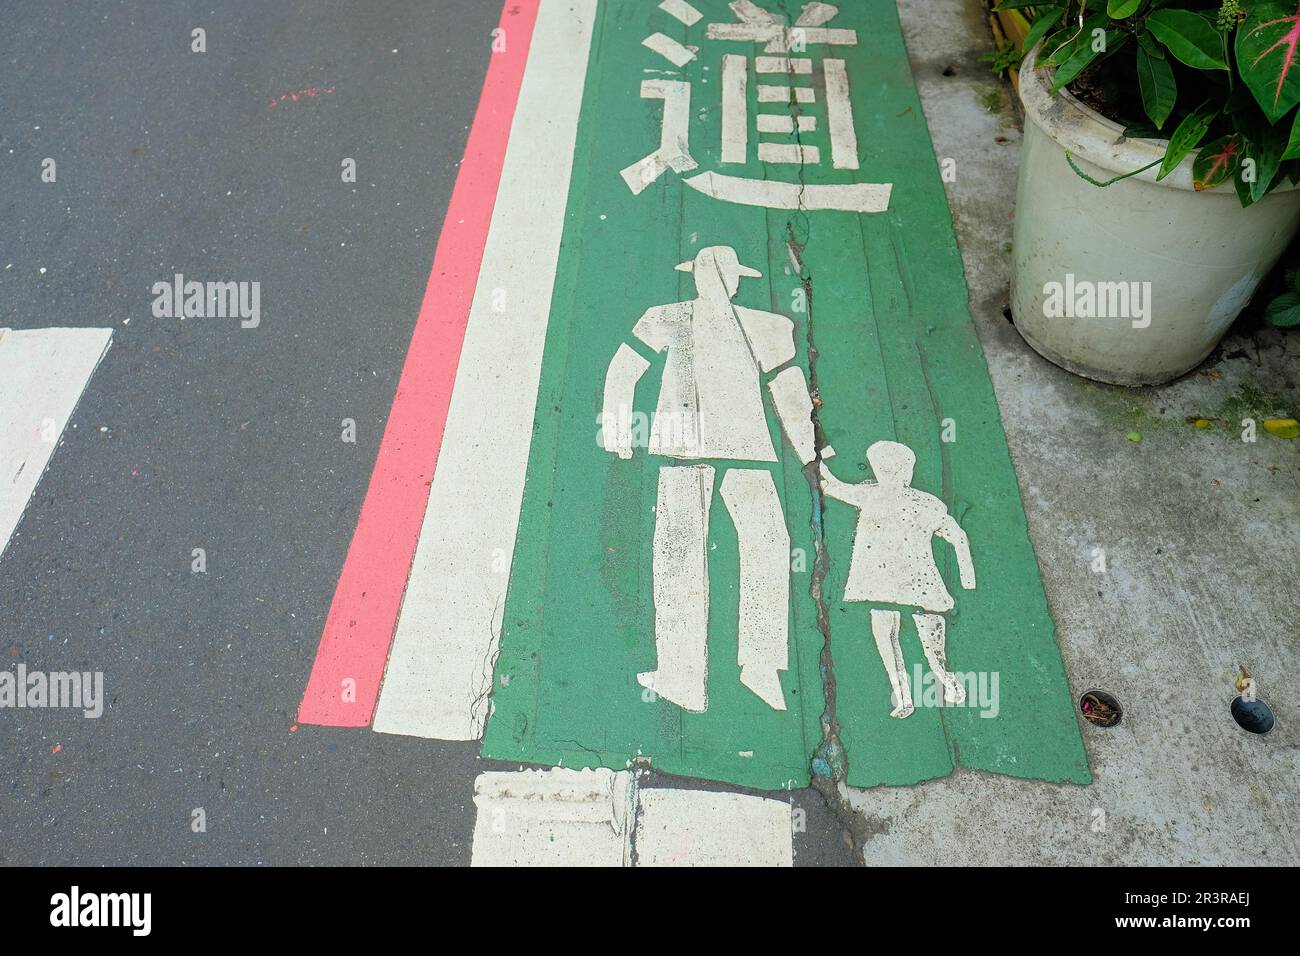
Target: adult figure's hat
(721, 258)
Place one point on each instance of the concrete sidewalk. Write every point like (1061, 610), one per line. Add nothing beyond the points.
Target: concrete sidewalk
(1198, 532)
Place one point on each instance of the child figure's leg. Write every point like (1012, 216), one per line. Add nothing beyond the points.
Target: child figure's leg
(934, 640)
(884, 628)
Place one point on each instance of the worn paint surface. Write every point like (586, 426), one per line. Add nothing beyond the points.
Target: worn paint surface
(894, 355)
(600, 817)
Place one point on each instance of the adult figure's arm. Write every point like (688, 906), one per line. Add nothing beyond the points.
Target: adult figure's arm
(625, 370)
(771, 339)
(832, 487)
(794, 408)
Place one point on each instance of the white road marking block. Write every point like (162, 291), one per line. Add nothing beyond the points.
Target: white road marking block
(768, 93)
(789, 153)
(440, 667)
(844, 138)
(552, 818)
(784, 123)
(587, 817)
(735, 136)
(707, 828)
(668, 48)
(672, 152)
(852, 197)
(42, 375)
(682, 10)
(782, 64)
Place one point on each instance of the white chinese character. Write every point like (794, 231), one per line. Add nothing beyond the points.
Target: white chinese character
(755, 25)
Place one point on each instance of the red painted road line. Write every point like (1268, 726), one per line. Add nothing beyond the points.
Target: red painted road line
(359, 628)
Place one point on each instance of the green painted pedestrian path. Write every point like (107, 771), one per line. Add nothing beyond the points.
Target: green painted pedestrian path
(875, 313)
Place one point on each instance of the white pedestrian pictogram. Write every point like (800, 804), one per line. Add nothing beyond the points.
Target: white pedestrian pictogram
(711, 406)
(893, 563)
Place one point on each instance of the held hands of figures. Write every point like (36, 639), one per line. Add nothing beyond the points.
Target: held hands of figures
(827, 452)
(827, 477)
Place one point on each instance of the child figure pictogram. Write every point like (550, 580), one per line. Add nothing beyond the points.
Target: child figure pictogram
(893, 563)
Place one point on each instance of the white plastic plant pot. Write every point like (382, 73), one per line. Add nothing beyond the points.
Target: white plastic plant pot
(1134, 283)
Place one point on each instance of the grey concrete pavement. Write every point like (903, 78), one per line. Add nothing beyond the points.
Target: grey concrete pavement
(1202, 558)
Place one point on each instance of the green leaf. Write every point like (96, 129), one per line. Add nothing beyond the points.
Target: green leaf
(1239, 99)
(1075, 65)
(1292, 150)
(1216, 161)
(1263, 146)
(1286, 428)
(1015, 4)
(1150, 45)
(1284, 310)
(1119, 9)
(1267, 55)
(1159, 89)
(1141, 129)
(1058, 44)
(1085, 52)
(1187, 136)
(1048, 18)
(1072, 38)
(1115, 40)
(1242, 189)
(1062, 44)
(1189, 37)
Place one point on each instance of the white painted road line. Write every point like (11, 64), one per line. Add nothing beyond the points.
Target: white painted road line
(707, 828)
(782, 64)
(784, 123)
(768, 93)
(585, 818)
(440, 667)
(844, 138)
(552, 818)
(42, 375)
(789, 153)
(857, 197)
(735, 135)
(682, 10)
(669, 49)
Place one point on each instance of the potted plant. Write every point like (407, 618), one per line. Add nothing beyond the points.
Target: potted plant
(1157, 181)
